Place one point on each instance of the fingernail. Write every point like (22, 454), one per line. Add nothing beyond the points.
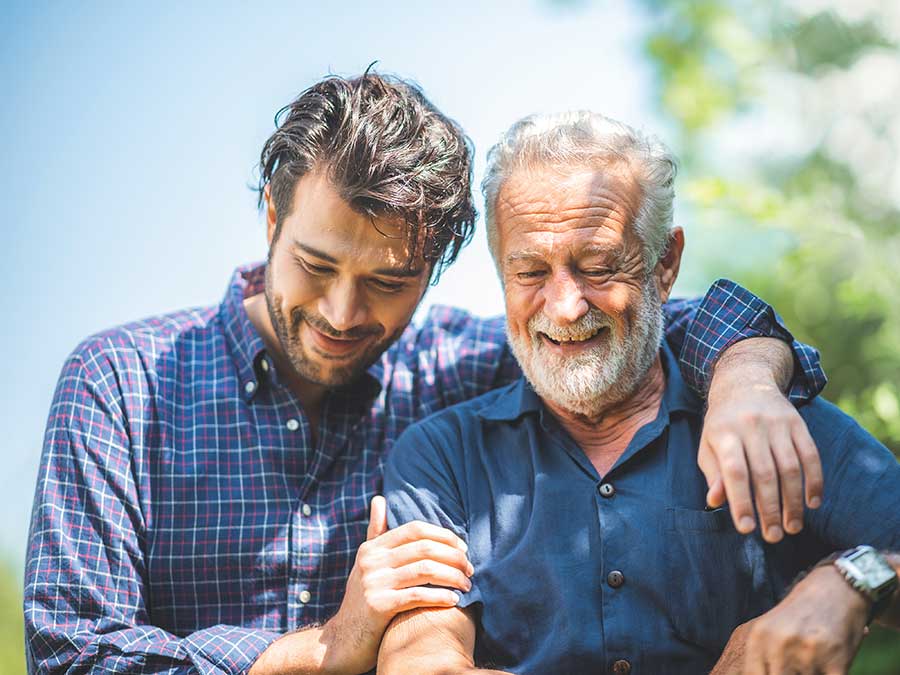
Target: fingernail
(794, 526)
(470, 570)
(775, 533)
(815, 503)
(747, 524)
(463, 545)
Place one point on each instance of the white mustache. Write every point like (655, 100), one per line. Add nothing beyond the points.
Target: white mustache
(585, 327)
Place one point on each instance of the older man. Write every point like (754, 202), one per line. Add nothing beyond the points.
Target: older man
(576, 487)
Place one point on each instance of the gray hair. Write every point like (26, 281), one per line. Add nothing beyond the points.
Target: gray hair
(584, 138)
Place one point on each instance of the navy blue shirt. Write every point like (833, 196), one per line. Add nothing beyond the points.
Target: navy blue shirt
(574, 571)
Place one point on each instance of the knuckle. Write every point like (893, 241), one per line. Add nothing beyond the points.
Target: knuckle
(791, 471)
(734, 470)
(765, 474)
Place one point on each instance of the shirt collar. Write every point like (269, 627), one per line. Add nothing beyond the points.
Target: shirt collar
(246, 346)
(521, 398)
(248, 351)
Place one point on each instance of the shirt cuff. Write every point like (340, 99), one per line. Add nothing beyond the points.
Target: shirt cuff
(730, 313)
(229, 649)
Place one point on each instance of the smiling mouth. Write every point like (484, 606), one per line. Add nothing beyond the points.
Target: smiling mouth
(574, 339)
(333, 348)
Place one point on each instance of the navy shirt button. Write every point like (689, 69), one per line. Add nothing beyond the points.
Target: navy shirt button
(615, 578)
(621, 667)
(606, 490)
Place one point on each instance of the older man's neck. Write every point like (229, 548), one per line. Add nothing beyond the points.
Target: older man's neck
(604, 436)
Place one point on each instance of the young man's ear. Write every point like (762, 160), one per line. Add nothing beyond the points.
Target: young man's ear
(666, 270)
(271, 215)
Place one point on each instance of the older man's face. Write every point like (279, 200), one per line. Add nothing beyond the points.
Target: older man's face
(583, 315)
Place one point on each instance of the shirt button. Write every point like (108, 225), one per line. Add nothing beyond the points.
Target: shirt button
(292, 425)
(250, 387)
(621, 667)
(615, 579)
(305, 596)
(307, 510)
(264, 365)
(606, 490)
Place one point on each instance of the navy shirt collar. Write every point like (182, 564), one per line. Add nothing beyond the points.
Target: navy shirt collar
(521, 398)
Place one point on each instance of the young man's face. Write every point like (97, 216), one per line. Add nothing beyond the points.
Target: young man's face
(338, 287)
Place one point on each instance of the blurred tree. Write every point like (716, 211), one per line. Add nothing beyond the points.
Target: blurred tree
(12, 640)
(786, 116)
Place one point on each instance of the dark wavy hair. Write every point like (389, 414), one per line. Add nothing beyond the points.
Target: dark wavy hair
(387, 151)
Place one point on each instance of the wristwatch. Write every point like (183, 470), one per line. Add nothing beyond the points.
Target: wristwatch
(868, 572)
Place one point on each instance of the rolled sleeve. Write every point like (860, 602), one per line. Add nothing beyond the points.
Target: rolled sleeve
(730, 313)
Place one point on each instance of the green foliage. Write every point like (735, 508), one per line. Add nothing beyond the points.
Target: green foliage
(819, 212)
(12, 640)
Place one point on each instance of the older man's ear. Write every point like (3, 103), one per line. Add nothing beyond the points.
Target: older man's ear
(666, 270)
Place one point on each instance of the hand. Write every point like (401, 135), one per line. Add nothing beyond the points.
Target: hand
(752, 433)
(817, 628)
(390, 576)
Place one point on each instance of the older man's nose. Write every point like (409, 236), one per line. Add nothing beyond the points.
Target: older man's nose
(564, 301)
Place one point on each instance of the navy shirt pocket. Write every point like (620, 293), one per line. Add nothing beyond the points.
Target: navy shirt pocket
(716, 577)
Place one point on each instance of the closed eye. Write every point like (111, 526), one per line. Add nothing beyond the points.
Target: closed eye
(387, 286)
(597, 272)
(318, 270)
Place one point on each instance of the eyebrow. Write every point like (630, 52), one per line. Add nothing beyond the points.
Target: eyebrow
(588, 251)
(395, 272)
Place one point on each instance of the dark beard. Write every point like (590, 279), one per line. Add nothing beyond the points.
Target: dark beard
(288, 334)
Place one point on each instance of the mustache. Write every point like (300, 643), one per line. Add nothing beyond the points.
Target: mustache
(298, 316)
(590, 322)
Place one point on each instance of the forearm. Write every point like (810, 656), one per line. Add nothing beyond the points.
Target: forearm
(754, 361)
(430, 642)
(303, 652)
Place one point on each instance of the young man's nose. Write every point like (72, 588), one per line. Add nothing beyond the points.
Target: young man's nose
(343, 305)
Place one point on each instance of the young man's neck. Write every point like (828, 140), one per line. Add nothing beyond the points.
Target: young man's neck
(604, 435)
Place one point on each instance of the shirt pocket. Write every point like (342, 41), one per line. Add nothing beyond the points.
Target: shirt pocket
(716, 577)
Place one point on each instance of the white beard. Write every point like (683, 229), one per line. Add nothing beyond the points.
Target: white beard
(608, 373)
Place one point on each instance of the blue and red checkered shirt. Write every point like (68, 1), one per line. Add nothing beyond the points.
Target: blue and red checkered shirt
(184, 517)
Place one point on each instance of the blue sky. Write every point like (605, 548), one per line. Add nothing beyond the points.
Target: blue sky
(130, 132)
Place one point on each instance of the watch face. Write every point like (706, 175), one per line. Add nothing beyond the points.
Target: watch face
(873, 569)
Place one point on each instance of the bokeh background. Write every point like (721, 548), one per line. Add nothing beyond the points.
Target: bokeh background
(129, 135)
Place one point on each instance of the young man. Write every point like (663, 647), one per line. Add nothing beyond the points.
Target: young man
(207, 475)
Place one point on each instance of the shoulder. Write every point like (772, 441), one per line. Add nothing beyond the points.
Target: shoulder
(841, 439)
(827, 423)
(139, 345)
(446, 433)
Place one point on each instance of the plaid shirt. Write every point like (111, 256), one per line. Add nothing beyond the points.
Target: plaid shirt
(184, 517)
